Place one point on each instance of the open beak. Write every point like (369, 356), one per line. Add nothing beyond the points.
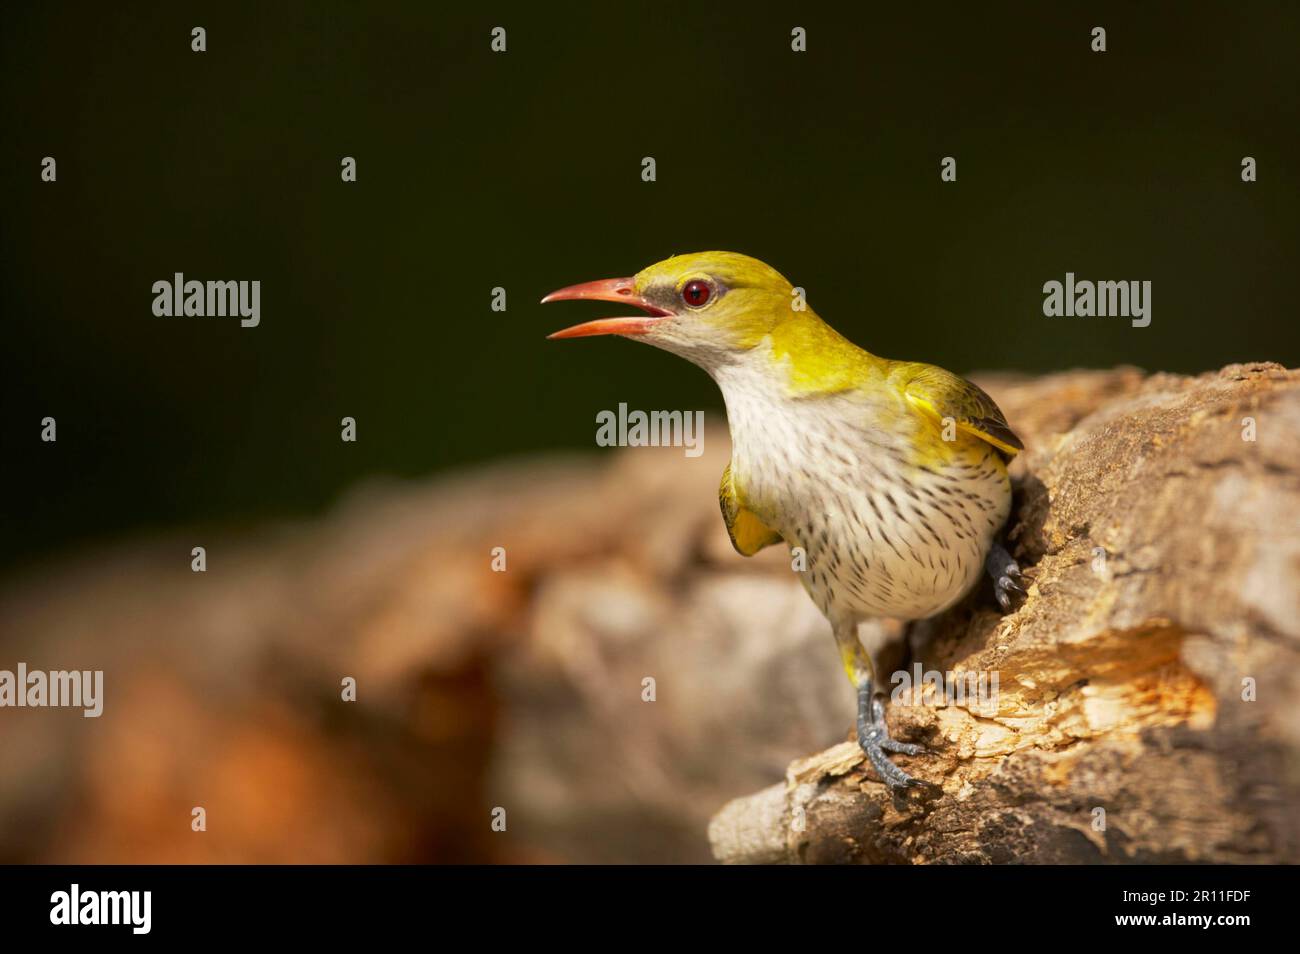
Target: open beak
(609, 289)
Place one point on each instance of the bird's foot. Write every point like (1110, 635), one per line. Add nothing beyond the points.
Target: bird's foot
(1008, 581)
(873, 737)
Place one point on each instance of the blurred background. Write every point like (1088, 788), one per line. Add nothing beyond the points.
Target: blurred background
(521, 170)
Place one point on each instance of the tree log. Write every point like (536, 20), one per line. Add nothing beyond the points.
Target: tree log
(524, 686)
(1146, 687)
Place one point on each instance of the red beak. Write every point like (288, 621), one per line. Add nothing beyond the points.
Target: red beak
(609, 289)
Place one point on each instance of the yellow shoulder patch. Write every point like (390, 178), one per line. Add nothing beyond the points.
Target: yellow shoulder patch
(748, 533)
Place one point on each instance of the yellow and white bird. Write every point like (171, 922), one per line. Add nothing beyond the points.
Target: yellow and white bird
(890, 476)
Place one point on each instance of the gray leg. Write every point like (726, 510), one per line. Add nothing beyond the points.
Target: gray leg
(873, 736)
(873, 733)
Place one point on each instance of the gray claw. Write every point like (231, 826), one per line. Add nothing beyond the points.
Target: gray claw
(874, 748)
(1006, 583)
(873, 737)
(1006, 574)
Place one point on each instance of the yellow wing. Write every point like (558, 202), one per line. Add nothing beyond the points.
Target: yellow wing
(748, 533)
(941, 394)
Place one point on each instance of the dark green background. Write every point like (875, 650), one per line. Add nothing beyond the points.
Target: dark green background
(523, 170)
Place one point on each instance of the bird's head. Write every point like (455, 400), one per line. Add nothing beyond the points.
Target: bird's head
(706, 306)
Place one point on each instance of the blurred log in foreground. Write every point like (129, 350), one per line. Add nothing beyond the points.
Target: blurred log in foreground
(1120, 678)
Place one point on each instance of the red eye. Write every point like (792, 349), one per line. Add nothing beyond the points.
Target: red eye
(696, 293)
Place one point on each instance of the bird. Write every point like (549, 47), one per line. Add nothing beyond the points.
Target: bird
(886, 479)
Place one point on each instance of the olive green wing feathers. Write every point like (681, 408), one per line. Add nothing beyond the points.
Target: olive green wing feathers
(940, 394)
(748, 533)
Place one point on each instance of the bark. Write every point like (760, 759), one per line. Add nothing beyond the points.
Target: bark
(1120, 685)
(1150, 675)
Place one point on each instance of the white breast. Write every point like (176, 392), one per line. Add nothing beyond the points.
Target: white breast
(882, 536)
